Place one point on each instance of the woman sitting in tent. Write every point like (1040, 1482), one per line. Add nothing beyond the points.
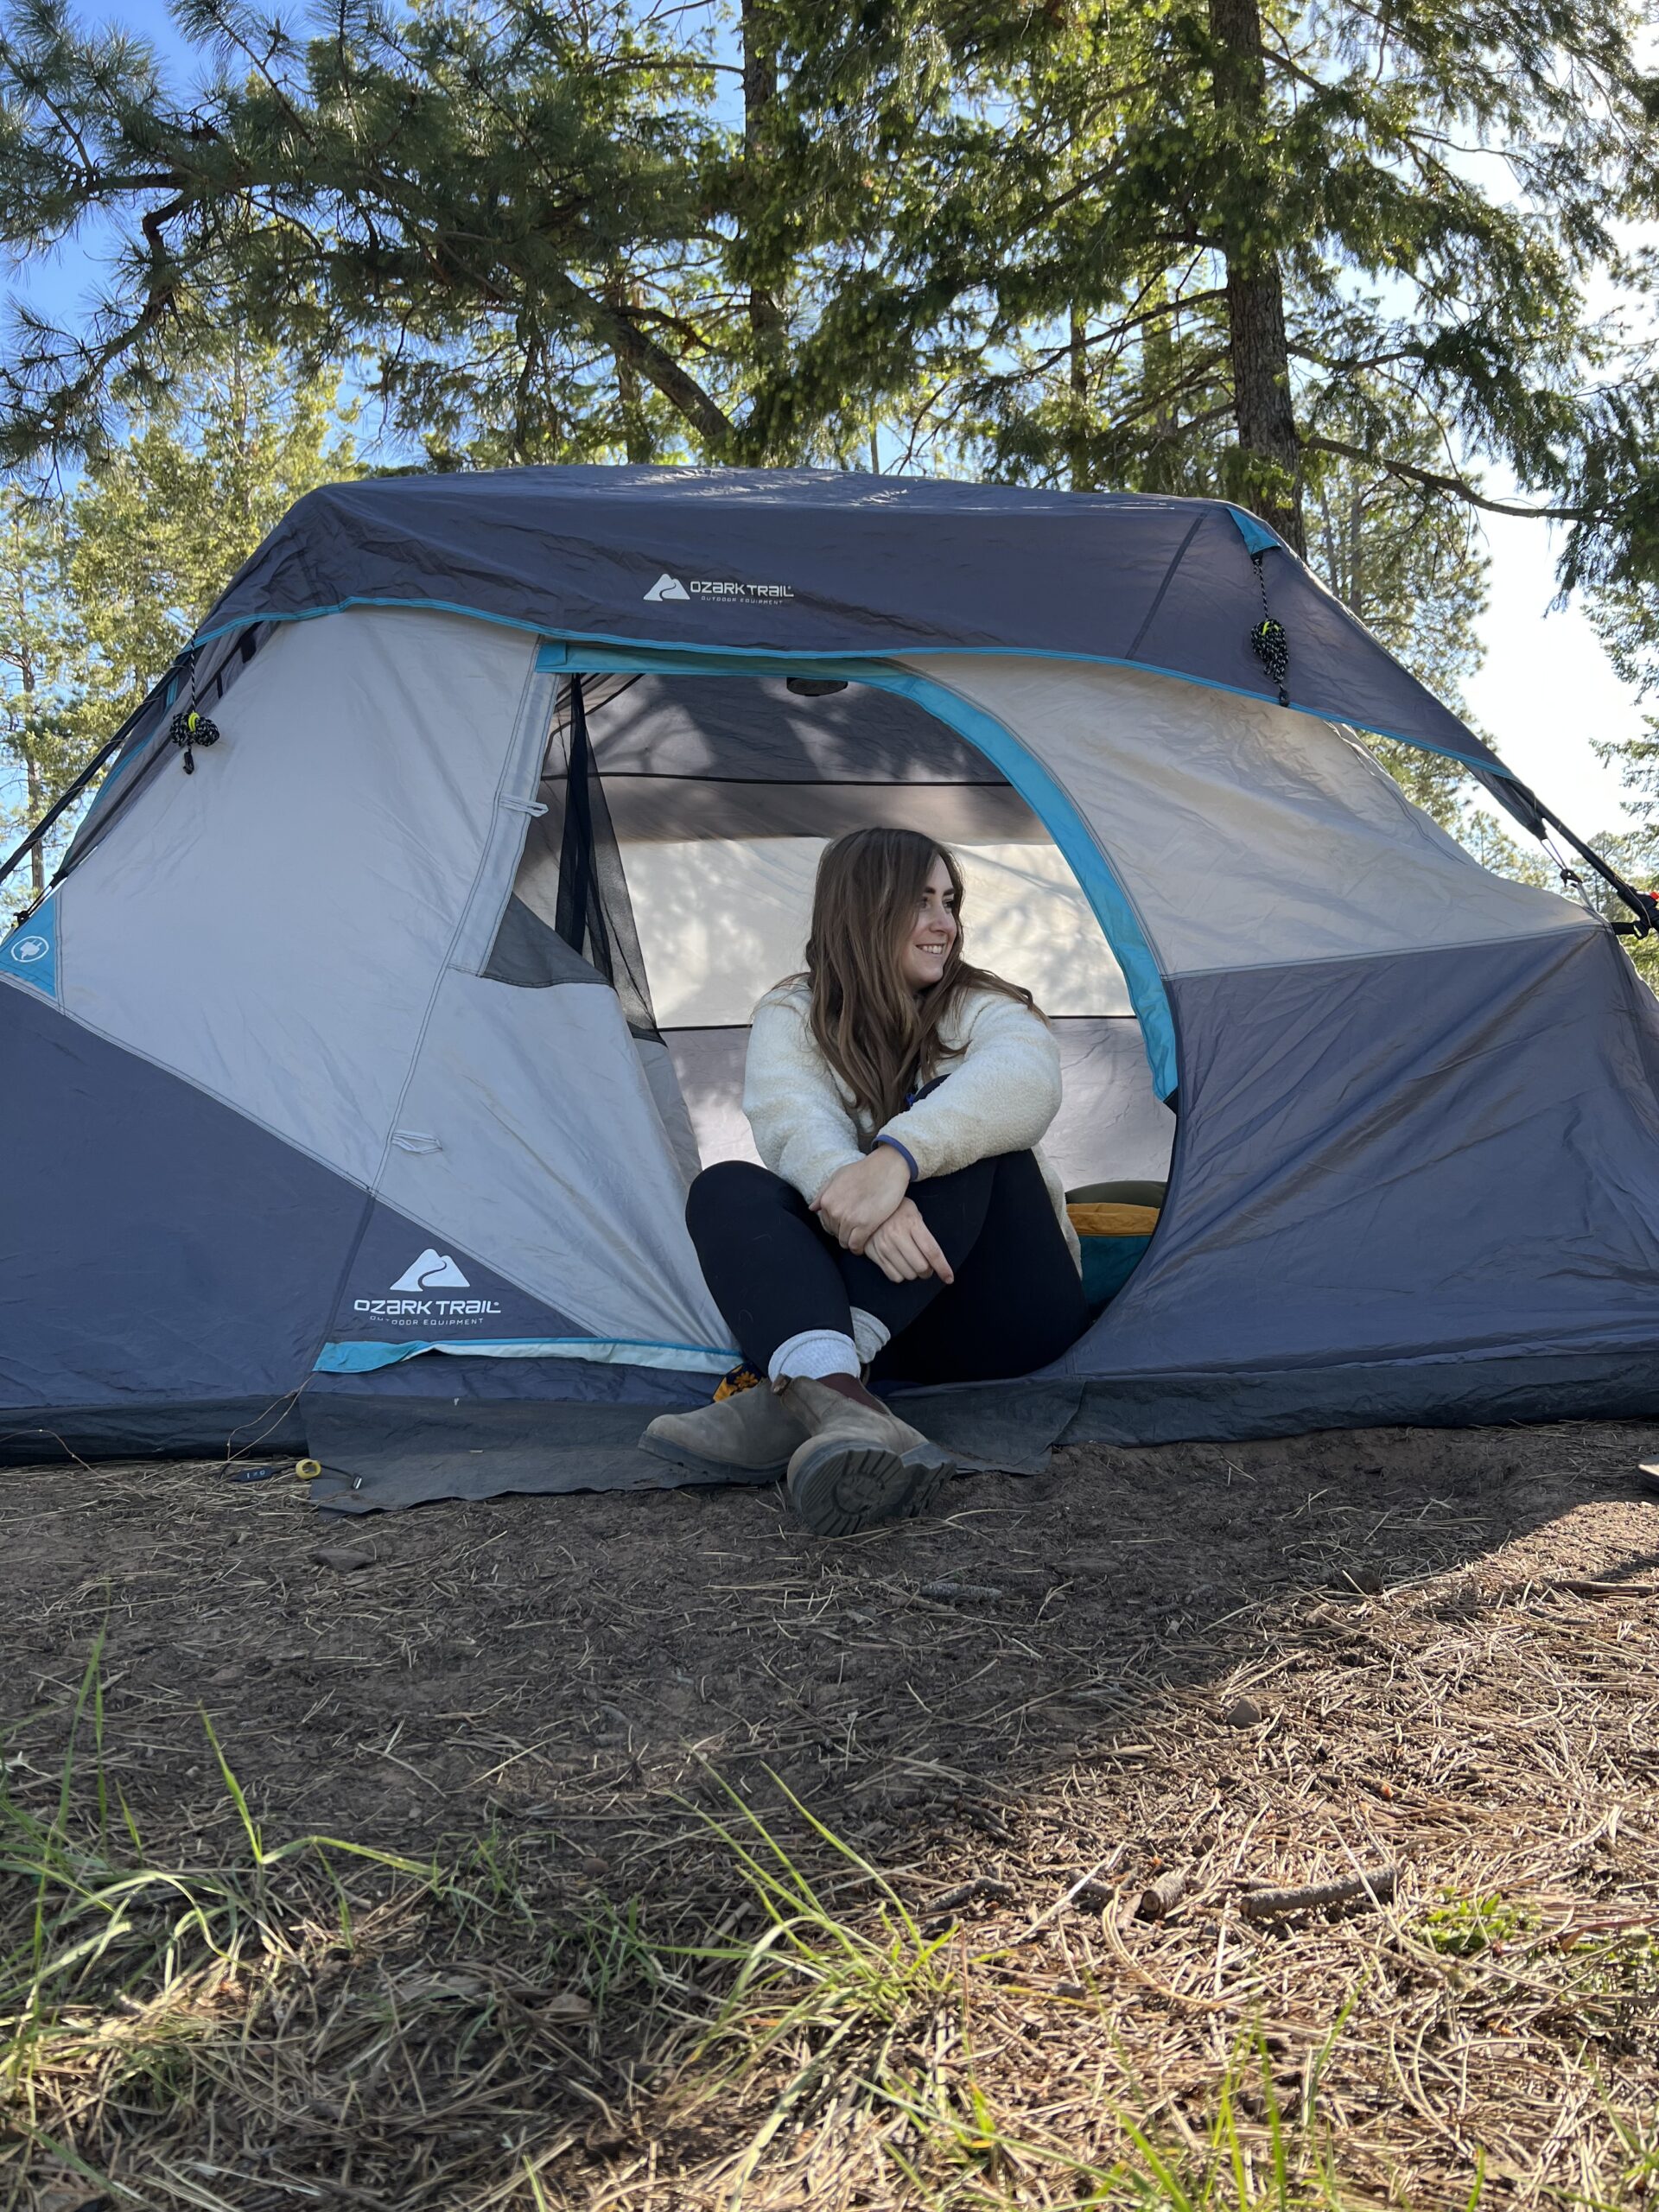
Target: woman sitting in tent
(903, 1221)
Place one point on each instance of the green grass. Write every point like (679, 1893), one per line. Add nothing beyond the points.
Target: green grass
(830, 2004)
(1462, 1928)
(807, 2018)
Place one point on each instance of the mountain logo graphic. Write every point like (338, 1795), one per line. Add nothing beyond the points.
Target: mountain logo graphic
(667, 587)
(432, 1271)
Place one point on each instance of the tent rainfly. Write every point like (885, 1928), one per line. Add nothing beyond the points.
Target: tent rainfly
(353, 1078)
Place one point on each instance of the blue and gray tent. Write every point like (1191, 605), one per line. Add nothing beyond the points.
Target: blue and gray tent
(355, 1078)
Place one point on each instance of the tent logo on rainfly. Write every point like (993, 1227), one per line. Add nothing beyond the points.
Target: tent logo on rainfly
(28, 949)
(434, 1270)
(726, 588)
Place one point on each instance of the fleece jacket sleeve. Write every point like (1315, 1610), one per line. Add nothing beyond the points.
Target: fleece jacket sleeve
(803, 1130)
(999, 1096)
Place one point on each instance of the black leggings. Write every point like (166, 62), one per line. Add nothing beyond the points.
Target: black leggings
(774, 1272)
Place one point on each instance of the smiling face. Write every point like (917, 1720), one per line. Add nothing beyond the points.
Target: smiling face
(885, 960)
(926, 948)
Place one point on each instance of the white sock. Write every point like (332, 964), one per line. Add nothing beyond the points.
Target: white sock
(868, 1334)
(814, 1353)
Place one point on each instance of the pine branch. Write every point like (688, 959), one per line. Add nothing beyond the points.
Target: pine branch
(1454, 487)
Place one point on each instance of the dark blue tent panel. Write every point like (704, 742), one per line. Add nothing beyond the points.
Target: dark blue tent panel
(815, 563)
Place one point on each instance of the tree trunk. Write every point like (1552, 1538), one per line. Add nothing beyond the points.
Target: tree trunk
(1268, 444)
(36, 809)
(767, 322)
(1077, 433)
(630, 388)
(636, 429)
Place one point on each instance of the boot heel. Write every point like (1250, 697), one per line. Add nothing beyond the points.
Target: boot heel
(838, 1487)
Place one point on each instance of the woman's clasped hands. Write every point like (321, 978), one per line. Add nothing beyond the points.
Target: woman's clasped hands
(866, 1208)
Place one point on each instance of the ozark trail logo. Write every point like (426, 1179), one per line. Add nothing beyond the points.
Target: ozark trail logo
(668, 586)
(30, 949)
(434, 1270)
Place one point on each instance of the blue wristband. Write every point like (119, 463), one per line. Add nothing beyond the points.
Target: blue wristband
(905, 1153)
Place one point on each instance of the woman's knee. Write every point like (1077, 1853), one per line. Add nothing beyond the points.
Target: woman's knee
(1018, 1167)
(728, 1186)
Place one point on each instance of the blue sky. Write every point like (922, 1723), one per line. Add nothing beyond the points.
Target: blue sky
(1546, 690)
(1545, 694)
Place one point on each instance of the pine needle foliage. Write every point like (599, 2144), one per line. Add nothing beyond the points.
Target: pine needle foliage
(1193, 243)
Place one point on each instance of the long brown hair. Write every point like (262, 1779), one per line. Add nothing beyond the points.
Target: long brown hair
(877, 1034)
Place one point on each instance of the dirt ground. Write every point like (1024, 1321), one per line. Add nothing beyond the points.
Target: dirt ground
(1423, 1657)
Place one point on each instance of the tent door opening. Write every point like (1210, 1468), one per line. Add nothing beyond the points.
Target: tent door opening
(679, 818)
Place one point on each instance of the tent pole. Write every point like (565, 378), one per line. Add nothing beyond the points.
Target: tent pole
(57, 808)
(1645, 904)
(99, 760)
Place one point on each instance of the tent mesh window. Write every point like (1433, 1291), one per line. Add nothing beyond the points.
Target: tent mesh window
(570, 895)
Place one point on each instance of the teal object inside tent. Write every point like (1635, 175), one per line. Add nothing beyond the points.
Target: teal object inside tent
(1108, 1263)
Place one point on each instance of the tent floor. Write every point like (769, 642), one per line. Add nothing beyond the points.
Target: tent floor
(456, 1427)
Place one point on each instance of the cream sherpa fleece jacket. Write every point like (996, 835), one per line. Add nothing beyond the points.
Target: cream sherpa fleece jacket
(1003, 1091)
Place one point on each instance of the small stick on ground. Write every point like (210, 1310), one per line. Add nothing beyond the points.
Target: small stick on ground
(1375, 1885)
(982, 1885)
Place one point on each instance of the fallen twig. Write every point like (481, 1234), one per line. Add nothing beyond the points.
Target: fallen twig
(1376, 1886)
(982, 1885)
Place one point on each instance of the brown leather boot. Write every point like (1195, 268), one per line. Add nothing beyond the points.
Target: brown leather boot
(752, 1433)
(860, 1464)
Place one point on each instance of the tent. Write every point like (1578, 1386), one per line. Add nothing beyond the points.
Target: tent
(355, 1063)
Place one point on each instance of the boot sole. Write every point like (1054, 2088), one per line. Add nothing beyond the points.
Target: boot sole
(722, 1470)
(842, 1488)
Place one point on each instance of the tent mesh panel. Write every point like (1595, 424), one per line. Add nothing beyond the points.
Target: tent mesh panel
(594, 914)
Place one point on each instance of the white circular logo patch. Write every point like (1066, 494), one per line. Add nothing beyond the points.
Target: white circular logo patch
(31, 948)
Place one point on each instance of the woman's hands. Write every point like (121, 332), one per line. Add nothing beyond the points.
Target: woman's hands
(859, 1198)
(864, 1207)
(904, 1248)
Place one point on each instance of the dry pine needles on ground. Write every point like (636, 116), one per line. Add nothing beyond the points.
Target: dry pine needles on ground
(1270, 1825)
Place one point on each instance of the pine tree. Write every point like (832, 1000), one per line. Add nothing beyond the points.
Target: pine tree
(1117, 242)
(1155, 240)
(100, 589)
(163, 521)
(39, 656)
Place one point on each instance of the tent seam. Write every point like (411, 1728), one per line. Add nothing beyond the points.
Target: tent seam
(1492, 765)
(1133, 648)
(1584, 928)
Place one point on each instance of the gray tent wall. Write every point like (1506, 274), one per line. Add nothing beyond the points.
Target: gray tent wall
(254, 1032)
(1416, 1176)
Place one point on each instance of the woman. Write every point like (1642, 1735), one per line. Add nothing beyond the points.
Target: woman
(903, 1222)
